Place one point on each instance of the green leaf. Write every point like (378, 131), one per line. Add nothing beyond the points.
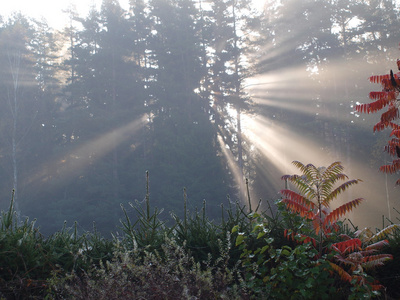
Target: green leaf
(239, 240)
(260, 235)
(235, 228)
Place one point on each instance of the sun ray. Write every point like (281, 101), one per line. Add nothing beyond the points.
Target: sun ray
(278, 145)
(331, 95)
(233, 167)
(77, 160)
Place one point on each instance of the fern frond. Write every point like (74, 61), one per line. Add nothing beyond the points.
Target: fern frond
(298, 237)
(390, 95)
(382, 125)
(333, 194)
(378, 245)
(339, 176)
(368, 252)
(394, 125)
(378, 78)
(327, 185)
(387, 84)
(342, 273)
(394, 142)
(308, 170)
(364, 234)
(299, 165)
(334, 168)
(385, 232)
(391, 169)
(302, 184)
(342, 210)
(392, 147)
(347, 262)
(298, 208)
(373, 261)
(391, 114)
(377, 95)
(288, 177)
(292, 195)
(348, 245)
(384, 100)
(395, 132)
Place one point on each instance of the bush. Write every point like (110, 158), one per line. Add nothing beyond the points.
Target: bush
(282, 273)
(172, 274)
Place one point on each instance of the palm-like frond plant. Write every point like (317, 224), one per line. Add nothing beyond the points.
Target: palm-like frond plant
(317, 187)
(355, 255)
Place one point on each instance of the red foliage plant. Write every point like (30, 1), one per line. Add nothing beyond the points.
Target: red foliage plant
(386, 99)
(317, 188)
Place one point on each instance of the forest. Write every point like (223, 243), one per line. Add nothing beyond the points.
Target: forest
(199, 95)
(201, 149)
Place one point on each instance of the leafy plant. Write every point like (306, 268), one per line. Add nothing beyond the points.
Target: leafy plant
(352, 256)
(389, 274)
(27, 258)
(387, 98)
(282, 272)
(316, 191)
(148, 232)
(171, 273)
(356, 255)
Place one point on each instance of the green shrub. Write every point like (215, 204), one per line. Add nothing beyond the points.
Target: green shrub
(172, 274)
(282, 273)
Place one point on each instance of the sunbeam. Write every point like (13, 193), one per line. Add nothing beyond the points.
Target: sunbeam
(331, 95)
(326, 99)
(77, 160)
(279, 145)
(282, 145)
(232, 165)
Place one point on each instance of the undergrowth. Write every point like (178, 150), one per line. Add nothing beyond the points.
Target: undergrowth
(244, 256)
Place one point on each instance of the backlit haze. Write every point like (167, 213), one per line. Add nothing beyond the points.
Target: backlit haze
(295, 92)
(51, 10)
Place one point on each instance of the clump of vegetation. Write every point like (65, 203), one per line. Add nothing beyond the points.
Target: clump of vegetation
(326, 260)
(250, 254)
(169, 274)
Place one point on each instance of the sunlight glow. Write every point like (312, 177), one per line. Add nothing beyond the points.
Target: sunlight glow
(232, 164)
(51, 10)
(74, 163)
(280, 146)
(290, 91)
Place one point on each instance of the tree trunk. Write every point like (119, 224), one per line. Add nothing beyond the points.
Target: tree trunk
(14, 63)
(115, 152)
(237, 100)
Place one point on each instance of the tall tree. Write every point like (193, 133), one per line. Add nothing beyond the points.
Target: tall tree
(230, 40)
(18, 91)
(97, 120)
(184, 147)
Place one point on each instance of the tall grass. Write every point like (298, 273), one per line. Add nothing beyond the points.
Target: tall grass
(192, 258)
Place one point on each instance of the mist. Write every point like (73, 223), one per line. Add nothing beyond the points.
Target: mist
(202, 95)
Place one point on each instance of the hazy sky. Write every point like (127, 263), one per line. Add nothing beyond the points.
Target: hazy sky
(51, 10)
